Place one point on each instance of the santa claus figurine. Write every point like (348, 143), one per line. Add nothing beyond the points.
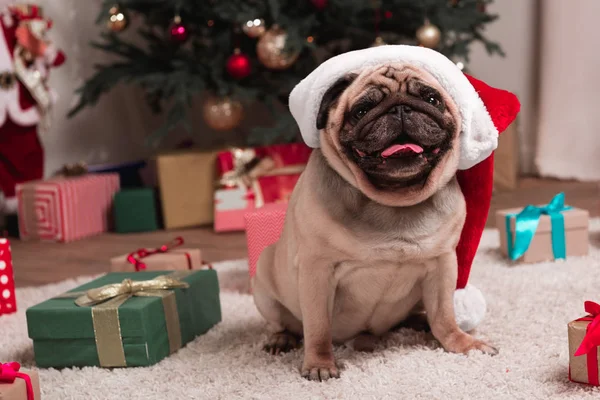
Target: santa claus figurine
(26, 57)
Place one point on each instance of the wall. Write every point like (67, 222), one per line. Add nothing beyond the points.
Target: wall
(516, 32)
(115, 129)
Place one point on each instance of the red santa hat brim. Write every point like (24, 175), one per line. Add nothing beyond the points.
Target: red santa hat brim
(479, 136)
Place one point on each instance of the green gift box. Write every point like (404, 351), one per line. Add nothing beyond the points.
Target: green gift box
(136, 210)
(149, 316)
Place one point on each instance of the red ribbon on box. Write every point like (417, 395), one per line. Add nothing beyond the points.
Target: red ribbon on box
(591, 341)
(10, 371)
(135, 257)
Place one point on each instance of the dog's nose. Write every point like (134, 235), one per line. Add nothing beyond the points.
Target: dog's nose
(399, 109)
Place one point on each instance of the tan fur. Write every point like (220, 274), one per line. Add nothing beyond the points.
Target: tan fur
(354, 261)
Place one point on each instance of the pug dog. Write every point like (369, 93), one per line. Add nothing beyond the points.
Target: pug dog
(372, 226)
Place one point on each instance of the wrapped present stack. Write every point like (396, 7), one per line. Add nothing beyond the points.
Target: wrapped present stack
(17, 383)
(124, 319)
(66, 209)
(252, 178)
(584, 350)
(542, 233)
(169, 256)
(8, 301)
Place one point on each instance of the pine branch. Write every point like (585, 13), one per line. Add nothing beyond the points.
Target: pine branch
(172, 75)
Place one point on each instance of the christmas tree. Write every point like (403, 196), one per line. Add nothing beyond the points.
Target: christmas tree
(242, 51)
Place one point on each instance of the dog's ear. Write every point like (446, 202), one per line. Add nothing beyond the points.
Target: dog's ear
(331, 96)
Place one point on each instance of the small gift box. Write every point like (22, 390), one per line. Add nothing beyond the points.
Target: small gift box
(541, 233)
(584, 339)
(186, 183)
(8, 300)
(66, 209)
(263, 228)
(124, 319)
(136, 210)
(251, 178)
(166, 257)
(17, 383)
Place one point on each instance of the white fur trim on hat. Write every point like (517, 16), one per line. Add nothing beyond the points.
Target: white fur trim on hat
(479, 136)
(469, 307)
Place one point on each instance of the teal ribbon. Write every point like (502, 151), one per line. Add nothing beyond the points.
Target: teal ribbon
(526, 223)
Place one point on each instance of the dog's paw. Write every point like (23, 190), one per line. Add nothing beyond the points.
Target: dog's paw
(320, 373)
(461, 342)
(483, 347)
(281, 342)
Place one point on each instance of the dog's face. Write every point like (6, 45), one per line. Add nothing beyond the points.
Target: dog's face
(392, 132)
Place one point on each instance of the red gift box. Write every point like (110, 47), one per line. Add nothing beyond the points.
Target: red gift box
(255, 177)
(8, 302)
(66, 209)
(263, 228)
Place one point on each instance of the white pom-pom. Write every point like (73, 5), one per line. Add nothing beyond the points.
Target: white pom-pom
(469, 307)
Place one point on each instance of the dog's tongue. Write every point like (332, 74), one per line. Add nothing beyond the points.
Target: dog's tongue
(396, 148)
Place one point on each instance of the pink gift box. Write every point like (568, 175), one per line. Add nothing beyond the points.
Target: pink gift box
(230, 207)
(263, 228)
(66, 209)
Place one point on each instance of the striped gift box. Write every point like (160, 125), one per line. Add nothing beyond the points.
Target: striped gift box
(66, 209)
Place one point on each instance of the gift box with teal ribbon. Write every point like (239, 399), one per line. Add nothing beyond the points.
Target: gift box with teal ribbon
(542, 233)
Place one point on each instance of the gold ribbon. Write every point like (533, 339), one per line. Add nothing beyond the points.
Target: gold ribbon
(106, 300)
(247, 168)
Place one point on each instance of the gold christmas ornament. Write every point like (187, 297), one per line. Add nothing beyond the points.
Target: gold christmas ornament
(270, 50)
(117, 20)
(378, 42)
(254, 28)
(429, 35)
(222, 113)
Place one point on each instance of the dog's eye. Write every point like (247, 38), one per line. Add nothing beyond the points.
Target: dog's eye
(434, 101)
(359, 113)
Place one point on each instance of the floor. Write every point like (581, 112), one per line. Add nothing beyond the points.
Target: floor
(42, 263)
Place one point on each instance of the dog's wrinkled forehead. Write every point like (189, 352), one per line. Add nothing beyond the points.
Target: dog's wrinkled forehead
(387, 79)
(375, 83)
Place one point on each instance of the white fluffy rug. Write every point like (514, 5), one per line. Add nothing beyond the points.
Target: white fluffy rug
(529, 307)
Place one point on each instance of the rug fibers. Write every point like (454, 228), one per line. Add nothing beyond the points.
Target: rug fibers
(529, 307)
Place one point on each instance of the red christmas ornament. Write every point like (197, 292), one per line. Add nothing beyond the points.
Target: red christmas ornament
(388, 14)
(178, 31)
(319, 4)
(238, 65)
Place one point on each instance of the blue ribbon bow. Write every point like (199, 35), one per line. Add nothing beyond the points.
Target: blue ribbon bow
(526, 223)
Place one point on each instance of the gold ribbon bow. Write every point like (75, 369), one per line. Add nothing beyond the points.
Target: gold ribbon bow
(106, 300)
(247, 168)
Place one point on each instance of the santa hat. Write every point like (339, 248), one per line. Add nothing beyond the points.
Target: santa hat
(485, 112)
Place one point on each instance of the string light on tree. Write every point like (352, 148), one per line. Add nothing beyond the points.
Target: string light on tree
(254, 28)
(117, 19)
(271, 50)
(178, 31)
(238, 65)
(222, 113)
(378, 42)
(429, 35)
